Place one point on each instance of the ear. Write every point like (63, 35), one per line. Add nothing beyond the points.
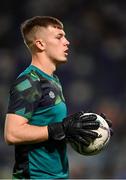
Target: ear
(40, 44)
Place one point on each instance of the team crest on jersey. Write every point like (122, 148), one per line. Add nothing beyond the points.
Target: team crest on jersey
(51, 94)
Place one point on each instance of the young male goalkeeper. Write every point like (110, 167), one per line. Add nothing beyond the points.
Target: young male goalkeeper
(37, 122)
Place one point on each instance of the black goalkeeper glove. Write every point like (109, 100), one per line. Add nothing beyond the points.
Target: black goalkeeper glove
(75, 127)
(109, 122)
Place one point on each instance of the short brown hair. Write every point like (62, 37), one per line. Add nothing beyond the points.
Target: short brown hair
(30, 26)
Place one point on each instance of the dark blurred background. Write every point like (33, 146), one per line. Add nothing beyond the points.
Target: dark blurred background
(93, 79)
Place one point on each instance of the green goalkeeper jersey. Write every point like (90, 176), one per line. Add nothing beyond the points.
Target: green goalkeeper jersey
(39, 98)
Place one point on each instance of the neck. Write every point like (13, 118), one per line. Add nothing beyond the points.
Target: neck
(43, 63)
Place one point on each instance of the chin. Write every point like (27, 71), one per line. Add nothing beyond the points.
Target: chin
(61, 61)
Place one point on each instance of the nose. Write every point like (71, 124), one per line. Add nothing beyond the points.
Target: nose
(67, 42)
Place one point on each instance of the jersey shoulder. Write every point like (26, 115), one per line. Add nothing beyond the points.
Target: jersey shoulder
(27, 85)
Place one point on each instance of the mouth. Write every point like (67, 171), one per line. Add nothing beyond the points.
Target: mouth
(66, 52)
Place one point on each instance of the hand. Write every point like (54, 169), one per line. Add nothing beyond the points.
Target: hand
(109, 123)
(75, 127)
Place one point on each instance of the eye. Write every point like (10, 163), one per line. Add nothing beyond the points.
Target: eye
(58, 37)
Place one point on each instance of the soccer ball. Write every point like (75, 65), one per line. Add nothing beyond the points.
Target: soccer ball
(99, 143)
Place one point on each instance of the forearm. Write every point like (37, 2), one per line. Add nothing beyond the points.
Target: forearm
(25, 133)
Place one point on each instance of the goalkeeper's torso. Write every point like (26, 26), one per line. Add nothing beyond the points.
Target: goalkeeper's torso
(38, 97)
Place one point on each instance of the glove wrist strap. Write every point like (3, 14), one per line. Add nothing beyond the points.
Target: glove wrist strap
(56, 131)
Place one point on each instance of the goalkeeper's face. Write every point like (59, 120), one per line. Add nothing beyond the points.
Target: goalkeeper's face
(55, 44)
